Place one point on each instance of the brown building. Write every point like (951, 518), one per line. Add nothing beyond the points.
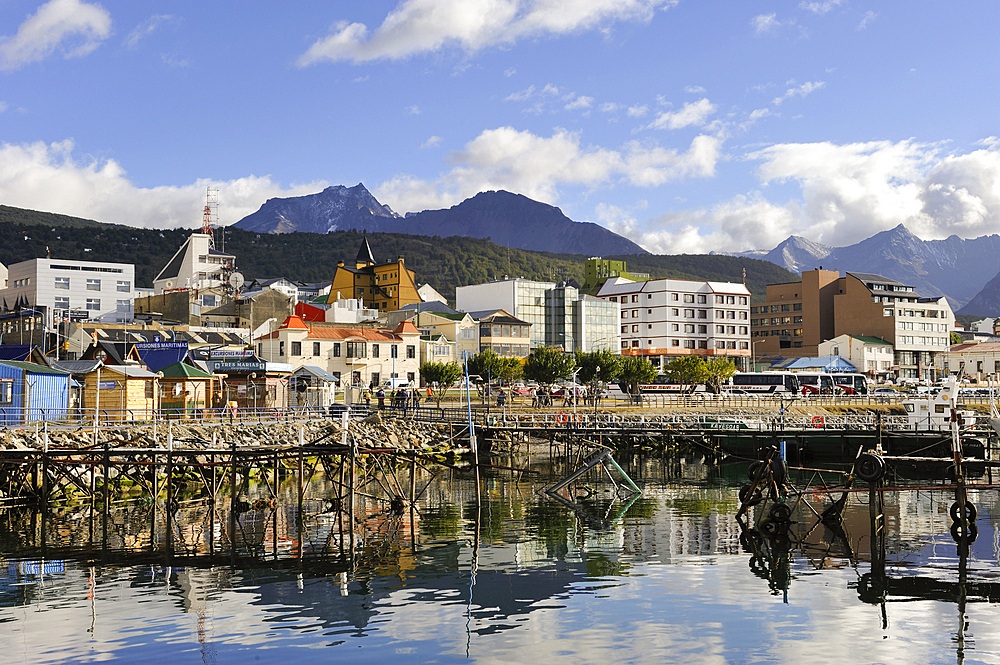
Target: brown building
(797, 316)
(382, 286)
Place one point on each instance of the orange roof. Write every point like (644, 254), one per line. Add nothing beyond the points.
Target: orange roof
(406, 328)
(294, 322)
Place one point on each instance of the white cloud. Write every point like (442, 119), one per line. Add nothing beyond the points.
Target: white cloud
(46, 177)
(550, 89)
(580, 102)
(431, 142)
(638, 111)
(144, 29)
(693, 113)
(520, 95)
(425, 26)
(820, 7)
(869, 17)
(848, 193)
(510, 71)
(609, 107)
(73, 27)
(3, 106)
(695, 89)
(800, 91)
(537, 166)
(413, 110)
(764, 23)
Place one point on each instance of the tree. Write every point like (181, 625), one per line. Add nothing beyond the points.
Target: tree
(686, 370)
(511, 369)
(546, 365)
(486, 364)
(955, 338)
(609, 363)
(718, 370)
(441, 374)
(636, 370)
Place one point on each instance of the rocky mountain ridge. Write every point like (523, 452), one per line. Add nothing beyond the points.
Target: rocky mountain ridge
(508, 219)
(958, 268)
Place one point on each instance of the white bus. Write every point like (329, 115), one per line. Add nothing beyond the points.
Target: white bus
(817, 383)
(764, 382)
(851, 384)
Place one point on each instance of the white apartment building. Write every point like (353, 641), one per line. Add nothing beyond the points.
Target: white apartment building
(196, 265)
(662, 319)
(74, 290)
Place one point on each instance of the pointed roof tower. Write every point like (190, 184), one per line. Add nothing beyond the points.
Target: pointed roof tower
(365, 257)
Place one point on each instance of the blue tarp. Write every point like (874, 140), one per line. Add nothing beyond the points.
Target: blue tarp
(15, 351)
(821, 364)
(157, 359)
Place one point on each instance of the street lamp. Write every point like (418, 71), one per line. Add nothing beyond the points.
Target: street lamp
(575, 372)
(597, 370)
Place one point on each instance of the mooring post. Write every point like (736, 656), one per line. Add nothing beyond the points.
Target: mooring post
(155, 490)
(170, 500)
(107, 500)
(274, 509)
(302, 488)
(232, 505)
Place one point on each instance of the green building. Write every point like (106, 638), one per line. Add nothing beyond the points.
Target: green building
(598, 271)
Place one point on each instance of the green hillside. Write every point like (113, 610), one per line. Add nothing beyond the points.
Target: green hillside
(444, 263)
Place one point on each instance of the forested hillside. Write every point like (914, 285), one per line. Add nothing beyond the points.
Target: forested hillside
(444, 263)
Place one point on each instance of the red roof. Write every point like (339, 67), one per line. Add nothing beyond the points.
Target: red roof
(308, 312)
(406, 328)
(294, 322)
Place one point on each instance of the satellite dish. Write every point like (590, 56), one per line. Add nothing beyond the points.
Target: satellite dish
(236, 280)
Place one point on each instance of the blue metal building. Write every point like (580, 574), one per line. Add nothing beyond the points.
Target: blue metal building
(30, 392)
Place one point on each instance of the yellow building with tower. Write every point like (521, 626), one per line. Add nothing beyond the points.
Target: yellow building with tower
(382, 286)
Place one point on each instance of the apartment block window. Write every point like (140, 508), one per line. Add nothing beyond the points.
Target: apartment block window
(730, 314)
(743, 330)
(743, 316)
(689, 344)
(743, 300)
(720, 300)
(730, 300)
(94, 304)
(624, 329)
(336, 349)
(62, 303)
(613, 298)
(635, 298)
(649, 311)
(635, 314)
(395, 350)
(673, 297)
(296, 348)
(720, 345)
(411, 351)
(122, 305)
(702, 343)
(701, 300)
(674, 311)
(93, 284)
(688, 297)
(797, 307)
(624, 313)
(635, 343)
(689, 313)
(123, 287)
(675, 342)
(635, 328)
(719, 314)
(315, 348)
(649, 326)
(730, 330)
(702, 330)
(720, 329)
(375, 351)
(62, 283)
(744, 345)
(649, 296)
(281, 348)
(689, 328)
(356, 350)
(786, 308)
(702, 314)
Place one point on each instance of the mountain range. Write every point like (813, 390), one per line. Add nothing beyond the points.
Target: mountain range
(511, 220)
(964, 270)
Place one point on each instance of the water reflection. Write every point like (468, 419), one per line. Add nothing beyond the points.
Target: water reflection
(667, 576)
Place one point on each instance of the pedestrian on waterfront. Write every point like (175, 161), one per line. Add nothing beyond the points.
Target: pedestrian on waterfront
(380, 395)
(368, 398)
(416, 399)
(404, 400)
(501, 399)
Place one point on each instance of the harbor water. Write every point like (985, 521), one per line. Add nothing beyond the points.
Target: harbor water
(597, 577)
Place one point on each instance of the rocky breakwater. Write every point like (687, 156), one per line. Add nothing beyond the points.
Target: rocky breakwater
(372, 433)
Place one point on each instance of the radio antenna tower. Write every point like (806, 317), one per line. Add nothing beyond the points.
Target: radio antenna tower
(210, 216)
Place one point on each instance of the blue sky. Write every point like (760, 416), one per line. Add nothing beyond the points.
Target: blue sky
(686, 126)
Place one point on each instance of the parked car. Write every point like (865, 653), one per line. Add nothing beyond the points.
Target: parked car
(885, 392)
